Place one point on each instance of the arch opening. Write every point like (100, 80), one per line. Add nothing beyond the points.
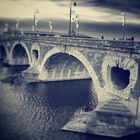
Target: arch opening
(35, 56)
(63, 65)
(120, 78)
(19, 51)
(3, 54)
(98, 90)
(19, 55)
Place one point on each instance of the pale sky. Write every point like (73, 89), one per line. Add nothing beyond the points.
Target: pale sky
(97, 17)
(60, 9)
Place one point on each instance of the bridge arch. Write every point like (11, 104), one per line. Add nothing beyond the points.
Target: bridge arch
(25, 48)
(78, 55)
(3, 51)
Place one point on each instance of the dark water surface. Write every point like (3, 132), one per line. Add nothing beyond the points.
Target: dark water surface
(38, 111)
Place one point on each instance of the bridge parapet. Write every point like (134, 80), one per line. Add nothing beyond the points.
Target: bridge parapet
(74, 41)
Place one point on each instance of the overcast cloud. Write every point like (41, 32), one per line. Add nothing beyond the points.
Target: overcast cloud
(96, 16)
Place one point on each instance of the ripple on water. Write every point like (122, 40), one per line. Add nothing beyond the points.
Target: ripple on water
(39, 111)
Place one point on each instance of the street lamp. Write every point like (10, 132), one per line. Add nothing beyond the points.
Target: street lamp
(123, 23)
(36, 12)
(71, 4)
(77, 23)
(6, 27)
(50, 26)
(17, 24)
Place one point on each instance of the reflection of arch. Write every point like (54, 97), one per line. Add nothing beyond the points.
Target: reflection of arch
(77, 54)
(24, 46)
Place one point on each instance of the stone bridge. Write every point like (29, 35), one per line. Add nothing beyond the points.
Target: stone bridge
(113, 66)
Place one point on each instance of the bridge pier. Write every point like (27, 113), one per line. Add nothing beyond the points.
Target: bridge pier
(118, 116)
(32, 73)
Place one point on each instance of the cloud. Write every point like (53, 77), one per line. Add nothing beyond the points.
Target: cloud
(126, 5)
(131, 6)
(96, 16)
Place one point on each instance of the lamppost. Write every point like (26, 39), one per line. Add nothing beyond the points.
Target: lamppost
(123, 23)
(17, 24)
(36, 12)
(71, 4)
(6, 27)
(51, 26)
(77, 24)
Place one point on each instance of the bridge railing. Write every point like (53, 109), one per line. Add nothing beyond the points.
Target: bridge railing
(85, 42)
(77, 42)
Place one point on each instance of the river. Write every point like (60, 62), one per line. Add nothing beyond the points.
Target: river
(38, 111)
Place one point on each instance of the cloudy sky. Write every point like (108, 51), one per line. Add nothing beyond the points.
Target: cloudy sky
(97, 17)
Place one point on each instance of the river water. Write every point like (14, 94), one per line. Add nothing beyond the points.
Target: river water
(38, 111)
